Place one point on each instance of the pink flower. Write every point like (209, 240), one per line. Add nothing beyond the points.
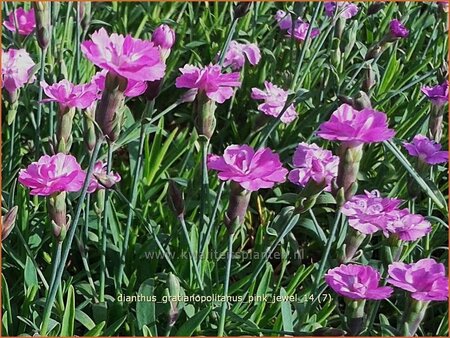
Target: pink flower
(69, 95)
(313, 163)
(17, 69)
(356, 127)
(438, 94)
(357, 282)
(22, 19)
(407, 226)
(344, 9)
(209, 79)
(252, 170)
(274, 100)
(301, 29)
(370, 213)
(53, 174)
(425, 279)
(426, 150)
(397, 30)
(101, 178)
(134, 88)
(133, 59)
(237, 52)
(284, 20)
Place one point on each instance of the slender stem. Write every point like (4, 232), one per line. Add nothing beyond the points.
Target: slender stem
(101, 297)
(68, 242)
(84, 259)
(56, 260)
(37, 138)
(205, 242)
(223, 311)
(11, 145)
(204, 192)
(134, 191)
(191, 252)
(230, 34)
(330, 242)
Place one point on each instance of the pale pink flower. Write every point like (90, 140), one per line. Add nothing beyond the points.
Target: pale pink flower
(253, 170)
(53, 174)
(370, 212)
(426, 150)
(301, 29)
(425, 279)
(22, 20)
(344, 9)
(101, 179)
(407, 226)
(274, 100)
(131, 58)
(218, 87)
(313, 163)
(354, 127)
(69, 95)
(134, 88)
(17, 69)
(238, 52)
(357, 282)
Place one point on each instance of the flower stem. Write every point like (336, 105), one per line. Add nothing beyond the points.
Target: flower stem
(37, 138)
(227, 41)
(204, 192)
(11, 145)
(192, 253)
(223, 311)
(101, 297)
(69, 239)
(134, 191)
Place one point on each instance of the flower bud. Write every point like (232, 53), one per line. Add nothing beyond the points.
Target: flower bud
(176, 199)
(369, 79)
(352, 243)
(164, 38)
(86, 14)
(109, 111)
(42, 14)
(436, 125)
(64, 129)
(174, 291)
(415, 314)
(12, 109)
(361, 101)
(349, 160)
(90, 136)
(242, 9)
(58, 214)
(237, 207)
(8, 222)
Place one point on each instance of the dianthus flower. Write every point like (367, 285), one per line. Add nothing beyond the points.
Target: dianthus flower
(345, 9)
(22, 20)
(134, 88)
(69, 95)
(101, 179)
(407, 226)
(301, 29)
(17, 69)
(397, 29)
(438, 94)
(274, 100)
(237, 53)
(426, 150)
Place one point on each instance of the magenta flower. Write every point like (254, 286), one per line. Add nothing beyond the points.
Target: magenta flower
(397, 30)
(407, 226)
(425, 279)
(131, 58)
(357, 282)
(69, 95)
(426, 150)
(370, 213)
(344, 9)
(22, 20)
(53, 174)
(17, 69)
(274, 100)
(134, 88)
(301, 29)
(101, 179)
(284, 20)
(238, 52)
(313, 163)
(252, 170)
(355, 127)
(438, 94)
(218, 87)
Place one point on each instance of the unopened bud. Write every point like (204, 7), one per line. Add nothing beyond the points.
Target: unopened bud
(109, 112)
(42, 15)
(353, 241)
(242, 9)
(369, 79)
(164, 38)
(90, 136)
(361, 101)
(64, 129)
(176, 199)
(8, 222)
(174, 291)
